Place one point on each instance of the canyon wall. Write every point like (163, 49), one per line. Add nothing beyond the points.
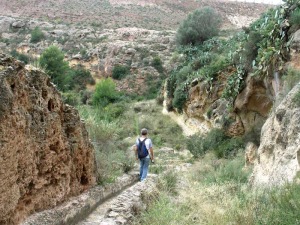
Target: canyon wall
(278, 158)
(45, 154)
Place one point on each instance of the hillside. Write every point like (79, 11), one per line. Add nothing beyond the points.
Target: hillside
(158, 14)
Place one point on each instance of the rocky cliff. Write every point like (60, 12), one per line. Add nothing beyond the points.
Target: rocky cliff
(278, 158)
(206, 109)
(45, 153)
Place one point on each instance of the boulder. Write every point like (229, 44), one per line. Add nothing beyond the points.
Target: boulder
(18, 24)
(5, 23)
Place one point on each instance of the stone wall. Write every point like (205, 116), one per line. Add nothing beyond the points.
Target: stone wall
(45, 153)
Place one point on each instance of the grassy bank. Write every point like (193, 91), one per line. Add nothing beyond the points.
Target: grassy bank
(216, 191)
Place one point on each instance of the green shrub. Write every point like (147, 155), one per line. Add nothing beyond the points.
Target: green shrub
(79, 78)
(250, 49)
(36, 35)
(198, 26)
(52, 59)
(71, 98)
(295, 17)
(24, 58)
(296, 99)
(229, 148)
(211, 71)
(199, 145)
(157, 64)
(105, 93)
(231, 171)
(180, 97)
(113, 111)
(195, 145)
(183, 74)
(120, 71)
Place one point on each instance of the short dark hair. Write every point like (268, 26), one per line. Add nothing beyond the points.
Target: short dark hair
(144, 131)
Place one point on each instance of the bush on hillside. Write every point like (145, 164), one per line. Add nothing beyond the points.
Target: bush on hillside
(199, 26)
(24, 58)
(199, 145)
(251, 49)
(295, 17)
(79, 78)
(71, 98)
(120, 71)
(52, 59)
(231, 171)
(105, 93)
(180, 97)
(36, 35)
(157, 64)
(229, 148)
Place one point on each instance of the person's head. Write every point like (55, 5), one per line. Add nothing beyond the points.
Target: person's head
(144, 131)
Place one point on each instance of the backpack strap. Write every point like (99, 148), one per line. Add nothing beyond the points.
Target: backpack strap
(143, 141)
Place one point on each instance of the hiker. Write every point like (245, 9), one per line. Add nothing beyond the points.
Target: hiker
(144, 153)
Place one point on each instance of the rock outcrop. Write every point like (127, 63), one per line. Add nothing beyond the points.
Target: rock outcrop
(45, 153)
(206, 106)
(278, 159)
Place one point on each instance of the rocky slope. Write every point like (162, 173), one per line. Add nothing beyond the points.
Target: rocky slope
(45, 153)
(98, 50)
(158, 14)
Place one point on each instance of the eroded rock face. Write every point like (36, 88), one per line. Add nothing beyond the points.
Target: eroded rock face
(279, 152)
(45, 153)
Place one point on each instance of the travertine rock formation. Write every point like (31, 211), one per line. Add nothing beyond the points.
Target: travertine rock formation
(45, 154)
(279, 152)
(250, 108)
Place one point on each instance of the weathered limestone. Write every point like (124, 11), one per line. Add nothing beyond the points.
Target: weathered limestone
(45, 153)
(279, 152)
(296, 41)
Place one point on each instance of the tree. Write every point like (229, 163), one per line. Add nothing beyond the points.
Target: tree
(200, 25)
(52, 60)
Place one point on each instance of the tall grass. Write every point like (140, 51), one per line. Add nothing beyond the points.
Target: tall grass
(226, 171)
(161, 211)
(111, 152)
(278, 206)
(216, 191)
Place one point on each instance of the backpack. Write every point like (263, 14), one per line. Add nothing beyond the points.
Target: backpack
(142, 150)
